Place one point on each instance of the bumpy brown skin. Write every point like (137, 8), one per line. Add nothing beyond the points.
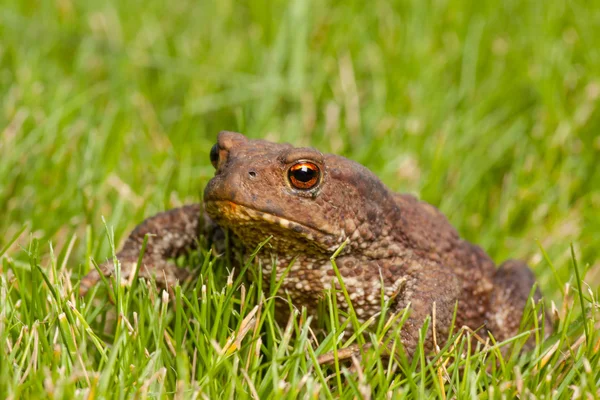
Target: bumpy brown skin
(394, 239)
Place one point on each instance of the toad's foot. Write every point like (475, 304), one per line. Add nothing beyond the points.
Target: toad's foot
(165, 273)
(169, 234)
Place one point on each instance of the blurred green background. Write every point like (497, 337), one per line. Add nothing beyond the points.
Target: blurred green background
(489, 110)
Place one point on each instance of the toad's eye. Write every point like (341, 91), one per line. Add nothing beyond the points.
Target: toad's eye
(304, 175)
(214, 155)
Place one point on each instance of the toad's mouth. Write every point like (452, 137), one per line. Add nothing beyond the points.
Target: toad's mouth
(242, 218)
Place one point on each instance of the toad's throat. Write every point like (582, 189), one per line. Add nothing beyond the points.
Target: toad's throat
(253, 226)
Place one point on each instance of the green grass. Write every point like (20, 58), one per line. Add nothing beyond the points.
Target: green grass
(489, 110)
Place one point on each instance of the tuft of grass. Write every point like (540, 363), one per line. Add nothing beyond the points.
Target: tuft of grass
(218, 338)
(487, 110)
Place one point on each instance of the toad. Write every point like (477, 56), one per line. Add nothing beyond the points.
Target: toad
(311, 205)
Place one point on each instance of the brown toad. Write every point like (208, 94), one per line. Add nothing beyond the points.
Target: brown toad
(311, 203)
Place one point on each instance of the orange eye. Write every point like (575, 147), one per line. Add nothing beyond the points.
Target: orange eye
(304, 175)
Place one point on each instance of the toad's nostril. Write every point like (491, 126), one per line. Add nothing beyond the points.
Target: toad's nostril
(252, 174)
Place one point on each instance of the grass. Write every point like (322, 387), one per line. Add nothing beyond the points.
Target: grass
(488, 110)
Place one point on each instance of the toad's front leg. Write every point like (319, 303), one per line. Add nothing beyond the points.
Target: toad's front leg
(423, 289)
(171, 234)
(432, 291)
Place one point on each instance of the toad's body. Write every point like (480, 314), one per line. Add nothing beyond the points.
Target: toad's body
(312, 203)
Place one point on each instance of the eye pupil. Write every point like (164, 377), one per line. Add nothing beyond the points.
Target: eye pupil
(304, 175)
(214, 156)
